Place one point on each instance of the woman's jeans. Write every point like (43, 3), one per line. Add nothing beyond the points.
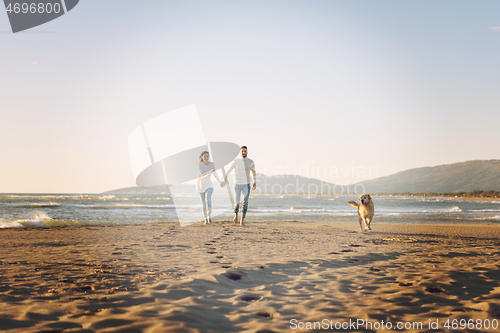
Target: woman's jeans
(206, 201)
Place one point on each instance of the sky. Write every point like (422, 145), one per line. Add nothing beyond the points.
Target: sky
(341, 91)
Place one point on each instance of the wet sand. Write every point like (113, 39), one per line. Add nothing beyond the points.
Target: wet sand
(265, 277)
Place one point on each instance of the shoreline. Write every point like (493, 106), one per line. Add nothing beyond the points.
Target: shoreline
(221, 277)
(442, 197)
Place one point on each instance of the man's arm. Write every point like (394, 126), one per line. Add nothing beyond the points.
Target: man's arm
(254, 176)
(231, 167)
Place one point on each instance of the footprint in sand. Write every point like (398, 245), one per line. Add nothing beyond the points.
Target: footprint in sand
(235, 276)
(434, 289)
(249, 298)
(401, 284)
(227, 232)
(212, 250)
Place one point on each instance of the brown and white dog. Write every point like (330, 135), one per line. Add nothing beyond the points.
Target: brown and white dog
(366, 210)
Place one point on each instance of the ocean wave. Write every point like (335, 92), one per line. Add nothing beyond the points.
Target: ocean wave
(423, 211)
(141, 206)
(45, 204)
(389, 214)
(43, 196)
(495, 218)
(123, 206)
(106, 197)
(37, 218)
(59, 196)
(305, 211)
(268, 210)
(10, 224)
(435, 199)
(32, 204)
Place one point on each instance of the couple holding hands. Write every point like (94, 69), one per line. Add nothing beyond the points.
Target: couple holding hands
(242, 167)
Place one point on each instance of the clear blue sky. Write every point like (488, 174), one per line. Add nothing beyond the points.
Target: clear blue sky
(306, 85)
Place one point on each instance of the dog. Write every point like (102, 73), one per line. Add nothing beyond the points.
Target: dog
(366, 210)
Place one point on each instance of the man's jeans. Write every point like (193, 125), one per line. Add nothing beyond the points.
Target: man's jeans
(238, 190)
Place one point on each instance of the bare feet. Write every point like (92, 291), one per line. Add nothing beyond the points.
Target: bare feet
(235, 219)
(241, 221)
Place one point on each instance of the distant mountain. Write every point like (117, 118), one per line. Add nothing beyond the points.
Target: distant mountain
(465, 176)
(136, 190)
(279, 185)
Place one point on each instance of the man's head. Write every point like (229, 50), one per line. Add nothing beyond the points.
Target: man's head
(243, 151)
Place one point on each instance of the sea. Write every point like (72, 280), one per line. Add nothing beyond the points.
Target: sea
(45, 210)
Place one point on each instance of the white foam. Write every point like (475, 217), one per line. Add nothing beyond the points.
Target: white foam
(46, 204)
(496, 218)
(37, 218)
(390, 214)
(106, 197)
(10, 224)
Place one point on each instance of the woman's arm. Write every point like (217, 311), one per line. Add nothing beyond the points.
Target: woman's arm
(216, 176)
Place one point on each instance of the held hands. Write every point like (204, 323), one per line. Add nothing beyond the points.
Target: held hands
(222, 184)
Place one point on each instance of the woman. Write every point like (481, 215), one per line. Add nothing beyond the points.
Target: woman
(204, 185)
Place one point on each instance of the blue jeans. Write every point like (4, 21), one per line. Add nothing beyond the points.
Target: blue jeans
(238, 189)
(207, 202)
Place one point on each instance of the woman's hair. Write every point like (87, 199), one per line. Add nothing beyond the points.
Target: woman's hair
(201, 155)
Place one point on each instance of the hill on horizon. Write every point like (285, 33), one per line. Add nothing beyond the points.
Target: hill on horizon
(458, 177)
(464, 176)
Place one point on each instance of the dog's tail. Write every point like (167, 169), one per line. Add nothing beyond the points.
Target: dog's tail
(354, 204)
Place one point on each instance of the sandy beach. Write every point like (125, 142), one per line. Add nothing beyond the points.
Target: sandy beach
(265, 277)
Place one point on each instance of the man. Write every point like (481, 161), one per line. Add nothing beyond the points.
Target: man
(242, 166)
